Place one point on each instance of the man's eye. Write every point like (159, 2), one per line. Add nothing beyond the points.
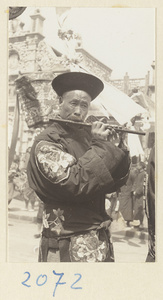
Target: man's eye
(84, 105)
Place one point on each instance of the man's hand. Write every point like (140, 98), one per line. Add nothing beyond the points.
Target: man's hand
(101, 131)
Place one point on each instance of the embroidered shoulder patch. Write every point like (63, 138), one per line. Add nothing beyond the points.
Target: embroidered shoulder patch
(53, 162)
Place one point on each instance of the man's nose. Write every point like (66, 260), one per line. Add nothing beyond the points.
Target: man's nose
(77, 111)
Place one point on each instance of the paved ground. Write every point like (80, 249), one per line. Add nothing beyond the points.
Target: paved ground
(22, 226)
(130, 244)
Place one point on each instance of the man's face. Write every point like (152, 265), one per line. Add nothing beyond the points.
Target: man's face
(74, 105)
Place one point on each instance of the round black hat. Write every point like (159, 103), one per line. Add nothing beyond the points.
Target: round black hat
(77, 81)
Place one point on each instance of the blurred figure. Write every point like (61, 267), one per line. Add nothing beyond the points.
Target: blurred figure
(112, 205)
(39, 218)
(22, 186)
(21, 183)
(150, 206)
(126, 196)
(138, 196)
(24, 159)
(12, 174)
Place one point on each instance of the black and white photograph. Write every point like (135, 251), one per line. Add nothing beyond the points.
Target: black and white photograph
(81, 135)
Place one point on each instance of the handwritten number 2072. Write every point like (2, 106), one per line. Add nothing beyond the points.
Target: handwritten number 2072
(42, 279)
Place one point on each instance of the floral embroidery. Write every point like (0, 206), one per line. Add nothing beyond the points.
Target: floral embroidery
(54, 220)
(88, 248)
(53, 162)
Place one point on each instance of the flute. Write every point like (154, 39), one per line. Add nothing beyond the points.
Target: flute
(115, 127)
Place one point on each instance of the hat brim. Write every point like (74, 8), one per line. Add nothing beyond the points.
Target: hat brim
(66, 82)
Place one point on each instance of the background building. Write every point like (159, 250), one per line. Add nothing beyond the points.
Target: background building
(31, 56)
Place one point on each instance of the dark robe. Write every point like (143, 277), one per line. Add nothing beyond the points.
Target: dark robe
(126, 196)
(150, 209)
(71, 173)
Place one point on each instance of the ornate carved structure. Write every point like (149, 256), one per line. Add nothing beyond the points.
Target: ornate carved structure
(91, 64)
(38, 100)
(128, 84)
(31, 57)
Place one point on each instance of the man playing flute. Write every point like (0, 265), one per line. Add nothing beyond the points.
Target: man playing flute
(71, 168)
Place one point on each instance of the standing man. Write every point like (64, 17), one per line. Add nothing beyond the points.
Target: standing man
(126, 196)
(71, 168)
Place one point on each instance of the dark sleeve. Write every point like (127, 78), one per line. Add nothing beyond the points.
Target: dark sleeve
(103, 168)
(151, 188)
(151, 175)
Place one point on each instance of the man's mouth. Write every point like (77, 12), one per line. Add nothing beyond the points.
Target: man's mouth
(76, 119)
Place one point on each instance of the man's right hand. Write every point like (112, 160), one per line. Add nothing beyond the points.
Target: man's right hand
(101, 131)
